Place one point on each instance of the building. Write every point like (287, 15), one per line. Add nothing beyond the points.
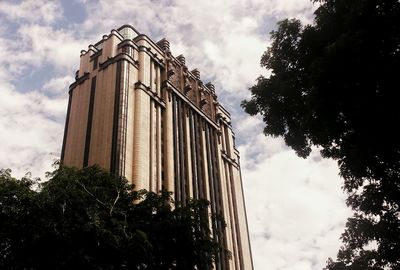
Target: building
(138, 111)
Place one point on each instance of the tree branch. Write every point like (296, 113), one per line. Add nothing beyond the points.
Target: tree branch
(115, 201)
(91, 194)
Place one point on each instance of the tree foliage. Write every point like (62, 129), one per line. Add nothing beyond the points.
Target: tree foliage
(89, 219)
(334, 85)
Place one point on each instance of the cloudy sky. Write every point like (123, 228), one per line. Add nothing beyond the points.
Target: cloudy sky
(295, 207)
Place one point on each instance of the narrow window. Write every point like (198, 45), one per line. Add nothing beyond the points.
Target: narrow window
(95, 62)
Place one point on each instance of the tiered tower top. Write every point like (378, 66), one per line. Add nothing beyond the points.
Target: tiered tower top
(177, 75)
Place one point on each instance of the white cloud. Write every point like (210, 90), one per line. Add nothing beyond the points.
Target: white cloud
(42, 11)
(58, 85)
(31, 119)
(34, 47)
(31, 129)
(296, 208)
(44, 44)
(31, 123)
(296, 211)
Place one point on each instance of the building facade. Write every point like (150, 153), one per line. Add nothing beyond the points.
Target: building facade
(138, 111)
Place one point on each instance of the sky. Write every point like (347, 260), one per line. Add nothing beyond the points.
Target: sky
(296, 207)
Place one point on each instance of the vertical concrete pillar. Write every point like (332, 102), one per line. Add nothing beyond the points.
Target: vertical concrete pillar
(205, 169)
(141, 147)
(227, 203)
(188, 159)
(168, 142)
(233, 216)
(229, 139)
(158, 81)
(158, 149)
(241, 219)
(130, 122)
(84, 65)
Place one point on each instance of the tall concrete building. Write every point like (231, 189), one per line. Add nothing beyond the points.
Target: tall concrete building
(139, 112)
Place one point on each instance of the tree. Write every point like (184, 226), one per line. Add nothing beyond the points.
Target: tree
(89, 219)
(333, 85)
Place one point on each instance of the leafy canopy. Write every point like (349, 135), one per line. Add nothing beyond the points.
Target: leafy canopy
(334, 85)
(89, 219)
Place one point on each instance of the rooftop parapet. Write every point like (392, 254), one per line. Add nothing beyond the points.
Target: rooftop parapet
(128, 31)
(181, 59)
(164, 45)
(211, 87)
(196, 73)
